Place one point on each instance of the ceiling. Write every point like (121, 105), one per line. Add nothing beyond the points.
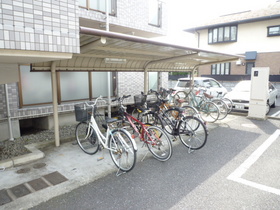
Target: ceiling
(109, 51)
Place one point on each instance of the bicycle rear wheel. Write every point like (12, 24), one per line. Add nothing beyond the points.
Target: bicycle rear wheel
(229, 104)
(122, 150)
(158, 143)
(193, 132)
(209, 112)
(222, 107)
(87, 138)
(180, 95)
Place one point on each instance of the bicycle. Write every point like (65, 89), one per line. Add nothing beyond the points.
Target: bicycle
(118, 141)
(226, 100)
(208, 110)
(223, 107)
(191, 130)
(153, 137)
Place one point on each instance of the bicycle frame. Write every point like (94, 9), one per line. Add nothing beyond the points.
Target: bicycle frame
(144, 131)
(101, 138)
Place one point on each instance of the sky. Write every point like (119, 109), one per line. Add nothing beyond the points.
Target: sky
(184, 14)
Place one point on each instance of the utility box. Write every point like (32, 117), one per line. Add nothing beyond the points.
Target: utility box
(259, 93)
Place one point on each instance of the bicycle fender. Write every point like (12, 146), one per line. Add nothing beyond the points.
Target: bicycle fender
(125, 131)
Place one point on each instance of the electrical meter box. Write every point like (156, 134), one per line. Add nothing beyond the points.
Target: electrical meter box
(259, 92)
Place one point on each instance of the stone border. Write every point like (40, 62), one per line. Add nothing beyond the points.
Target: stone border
(35, 154)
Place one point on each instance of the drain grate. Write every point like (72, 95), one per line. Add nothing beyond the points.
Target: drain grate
(55, 178)
(4, 197)
(38, 184)
(19, 191)
(8, 195)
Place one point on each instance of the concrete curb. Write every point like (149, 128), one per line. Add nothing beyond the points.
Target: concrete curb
(35, 154)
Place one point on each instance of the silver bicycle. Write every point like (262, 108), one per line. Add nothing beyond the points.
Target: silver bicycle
(118, 141)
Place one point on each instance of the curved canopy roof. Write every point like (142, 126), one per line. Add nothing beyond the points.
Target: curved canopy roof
(107, 51)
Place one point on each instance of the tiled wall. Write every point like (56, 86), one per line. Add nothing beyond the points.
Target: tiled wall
(13, 100)
(132, 14)
(42, 25)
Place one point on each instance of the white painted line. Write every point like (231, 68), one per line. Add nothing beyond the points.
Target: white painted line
(236, 175)
(275, 114)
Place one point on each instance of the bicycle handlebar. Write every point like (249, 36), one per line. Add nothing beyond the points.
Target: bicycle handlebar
(121, 98)
(99, 98)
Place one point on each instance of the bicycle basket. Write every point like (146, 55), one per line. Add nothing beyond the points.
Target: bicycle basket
(139, 100)
(82, 113)
(152, 100)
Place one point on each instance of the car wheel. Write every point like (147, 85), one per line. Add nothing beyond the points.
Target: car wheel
(273, 105)
(267, 108)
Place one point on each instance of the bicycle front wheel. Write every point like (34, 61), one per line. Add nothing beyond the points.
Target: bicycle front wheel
(158, 143)
(87, 138)
(122, 150)
(193, 132)
(169, 119)
(209, 112)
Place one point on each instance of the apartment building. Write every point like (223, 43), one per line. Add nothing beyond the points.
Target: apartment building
(33, 31)
(254, 34)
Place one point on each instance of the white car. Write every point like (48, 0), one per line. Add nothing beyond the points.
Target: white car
(212, 85)
(240, 96)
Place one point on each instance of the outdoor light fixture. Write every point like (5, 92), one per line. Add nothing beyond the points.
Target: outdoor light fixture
(115, 60)
(180, 64)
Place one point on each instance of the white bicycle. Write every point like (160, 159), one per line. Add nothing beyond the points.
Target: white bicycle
(118, 141)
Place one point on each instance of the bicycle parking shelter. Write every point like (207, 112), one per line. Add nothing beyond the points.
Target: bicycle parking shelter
(108, 51)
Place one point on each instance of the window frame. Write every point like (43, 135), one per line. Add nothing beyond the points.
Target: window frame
(271, 35)
(159, 14)
(221, 69)
(218, 35)
(113, 9)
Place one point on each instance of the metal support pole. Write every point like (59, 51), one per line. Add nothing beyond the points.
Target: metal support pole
(9, 113)
(109, 94)
(146, 81)
(108, 73)
(55, 104)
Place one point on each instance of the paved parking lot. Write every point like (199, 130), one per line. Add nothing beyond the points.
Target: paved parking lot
(238, 168)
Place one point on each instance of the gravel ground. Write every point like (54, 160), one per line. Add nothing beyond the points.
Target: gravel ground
(9, 149)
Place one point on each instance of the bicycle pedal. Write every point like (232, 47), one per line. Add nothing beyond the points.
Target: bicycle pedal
(174, 139)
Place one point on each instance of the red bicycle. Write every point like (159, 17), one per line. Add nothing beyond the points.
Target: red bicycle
(154, 137)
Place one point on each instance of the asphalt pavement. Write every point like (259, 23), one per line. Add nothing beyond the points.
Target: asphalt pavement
(254, 165)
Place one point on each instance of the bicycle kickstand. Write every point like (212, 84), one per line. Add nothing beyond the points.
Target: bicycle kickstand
(190, 150)
(144, 156)
(120, 172)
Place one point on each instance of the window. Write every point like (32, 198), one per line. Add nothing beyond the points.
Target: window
(273, 31)
(222, 34)
(153, 80)
(74, 86)
(155, 12)
(36, 87)
(100, 84)
(220, 69)
(99, 5)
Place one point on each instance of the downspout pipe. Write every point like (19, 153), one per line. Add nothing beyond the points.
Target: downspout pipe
(198, 38)
(9, 113)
